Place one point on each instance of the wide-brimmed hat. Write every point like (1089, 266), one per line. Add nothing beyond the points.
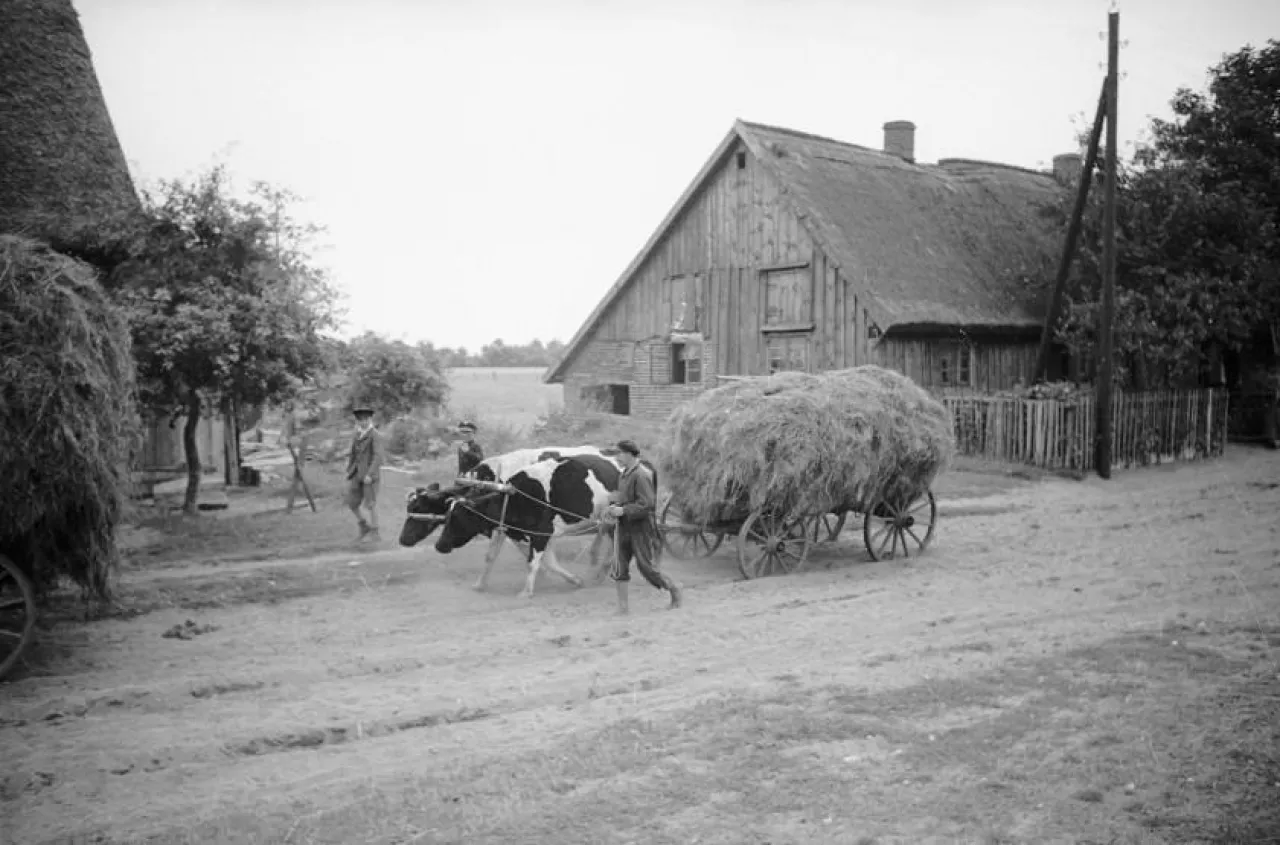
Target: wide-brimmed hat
(629, 446)
(467, 426)
(362, 411)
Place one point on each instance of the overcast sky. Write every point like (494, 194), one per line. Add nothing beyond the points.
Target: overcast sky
(488, 168)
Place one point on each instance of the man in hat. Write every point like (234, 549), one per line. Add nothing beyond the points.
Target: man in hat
(634, 507)
(364, 471)
(469, 452)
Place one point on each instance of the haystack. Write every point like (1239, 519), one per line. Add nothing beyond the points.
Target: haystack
(806, 444)
(67, 416)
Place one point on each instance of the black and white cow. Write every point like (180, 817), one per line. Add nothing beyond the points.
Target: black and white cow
(501, 467)
(576, 488)
(427, 506)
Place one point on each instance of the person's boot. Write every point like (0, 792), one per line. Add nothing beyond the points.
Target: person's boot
(364, 529)
(623, 608)
(677, 593)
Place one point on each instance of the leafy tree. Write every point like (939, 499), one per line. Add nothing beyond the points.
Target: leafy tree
(394, 378)
(1197, 243)
(225, 303)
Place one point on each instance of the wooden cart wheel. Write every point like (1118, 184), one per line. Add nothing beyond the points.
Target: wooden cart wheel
(686, 541)
(890, 525)
(769, 544)
(827, 528)
(17, 614)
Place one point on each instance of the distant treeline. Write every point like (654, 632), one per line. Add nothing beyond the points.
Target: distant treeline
(498, 354)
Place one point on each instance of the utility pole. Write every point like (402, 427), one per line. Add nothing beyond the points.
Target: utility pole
(1106, 314)
(1073, 236)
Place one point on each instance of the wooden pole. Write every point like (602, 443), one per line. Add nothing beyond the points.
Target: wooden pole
(298, 479)
(1106, 315)
(1073, 236)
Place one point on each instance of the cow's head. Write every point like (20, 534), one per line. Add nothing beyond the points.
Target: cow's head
(468, 517)
(426, 509)
(484, 472)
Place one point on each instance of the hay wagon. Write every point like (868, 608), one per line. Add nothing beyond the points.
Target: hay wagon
(17, 614)
(773, 541)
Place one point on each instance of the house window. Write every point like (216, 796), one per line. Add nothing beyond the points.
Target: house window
(788, 298)
(788, 352)
(953, 365)
(608, 398)
(686, 363)
(685, 296)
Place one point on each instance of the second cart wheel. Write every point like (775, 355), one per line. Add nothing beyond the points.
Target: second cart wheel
(893, 524)
(686, 541)
(769, 544)
(17, 614)
(827, 528)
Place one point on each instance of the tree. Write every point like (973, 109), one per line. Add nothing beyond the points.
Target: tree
(1198, 250)
(224, 301)
(394, 378)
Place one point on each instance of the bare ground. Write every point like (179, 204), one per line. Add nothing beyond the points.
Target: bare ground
(1073, 661)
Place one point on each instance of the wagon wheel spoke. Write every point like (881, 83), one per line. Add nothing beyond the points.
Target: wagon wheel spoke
(20, 608)
(891, 538)
(919, 543)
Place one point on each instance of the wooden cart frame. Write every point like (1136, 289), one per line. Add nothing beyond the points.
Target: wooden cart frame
(771, 542)
(17, 615)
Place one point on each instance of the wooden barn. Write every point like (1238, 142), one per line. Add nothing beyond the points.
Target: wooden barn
(794, 252)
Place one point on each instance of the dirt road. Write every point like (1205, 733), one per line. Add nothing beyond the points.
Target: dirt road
(274, 722)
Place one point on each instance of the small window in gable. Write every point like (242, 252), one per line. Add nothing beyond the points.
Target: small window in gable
(788, 298)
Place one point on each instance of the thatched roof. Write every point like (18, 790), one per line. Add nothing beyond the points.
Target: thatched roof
(944, 245)
(63, 164)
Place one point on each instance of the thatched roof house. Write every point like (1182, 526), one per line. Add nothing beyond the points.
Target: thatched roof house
(794, 251)
(62, 163)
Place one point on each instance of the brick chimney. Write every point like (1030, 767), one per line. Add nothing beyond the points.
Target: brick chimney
(900, 139)
(1067, 168)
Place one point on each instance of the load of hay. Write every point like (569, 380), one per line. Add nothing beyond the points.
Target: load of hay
(804, 444)
(67, 417)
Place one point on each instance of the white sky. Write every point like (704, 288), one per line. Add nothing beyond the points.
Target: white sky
(487, 169)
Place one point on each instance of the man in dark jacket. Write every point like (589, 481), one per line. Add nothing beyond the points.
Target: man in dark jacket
(634, 508)
(469, 452)
(364, 472)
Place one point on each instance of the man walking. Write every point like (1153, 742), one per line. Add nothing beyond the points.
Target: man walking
(469, 452)
(364, 472)
(635, 505)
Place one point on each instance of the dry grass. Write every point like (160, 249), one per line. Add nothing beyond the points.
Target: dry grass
(806, 444)
(67, 418)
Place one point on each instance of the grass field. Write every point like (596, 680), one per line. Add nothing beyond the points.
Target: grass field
(509, 396)
(1072, 661)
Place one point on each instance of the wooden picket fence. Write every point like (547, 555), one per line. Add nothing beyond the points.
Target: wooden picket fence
(1059, 434)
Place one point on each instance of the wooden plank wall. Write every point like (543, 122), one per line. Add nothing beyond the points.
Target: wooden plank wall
(735, 228)
(995, 365)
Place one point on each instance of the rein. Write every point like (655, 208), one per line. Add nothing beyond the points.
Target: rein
(506, 490)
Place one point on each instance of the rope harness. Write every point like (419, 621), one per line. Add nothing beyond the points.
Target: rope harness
(500, 524)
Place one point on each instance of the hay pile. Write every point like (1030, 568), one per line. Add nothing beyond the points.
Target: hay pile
(67, 416)
(805, 444)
